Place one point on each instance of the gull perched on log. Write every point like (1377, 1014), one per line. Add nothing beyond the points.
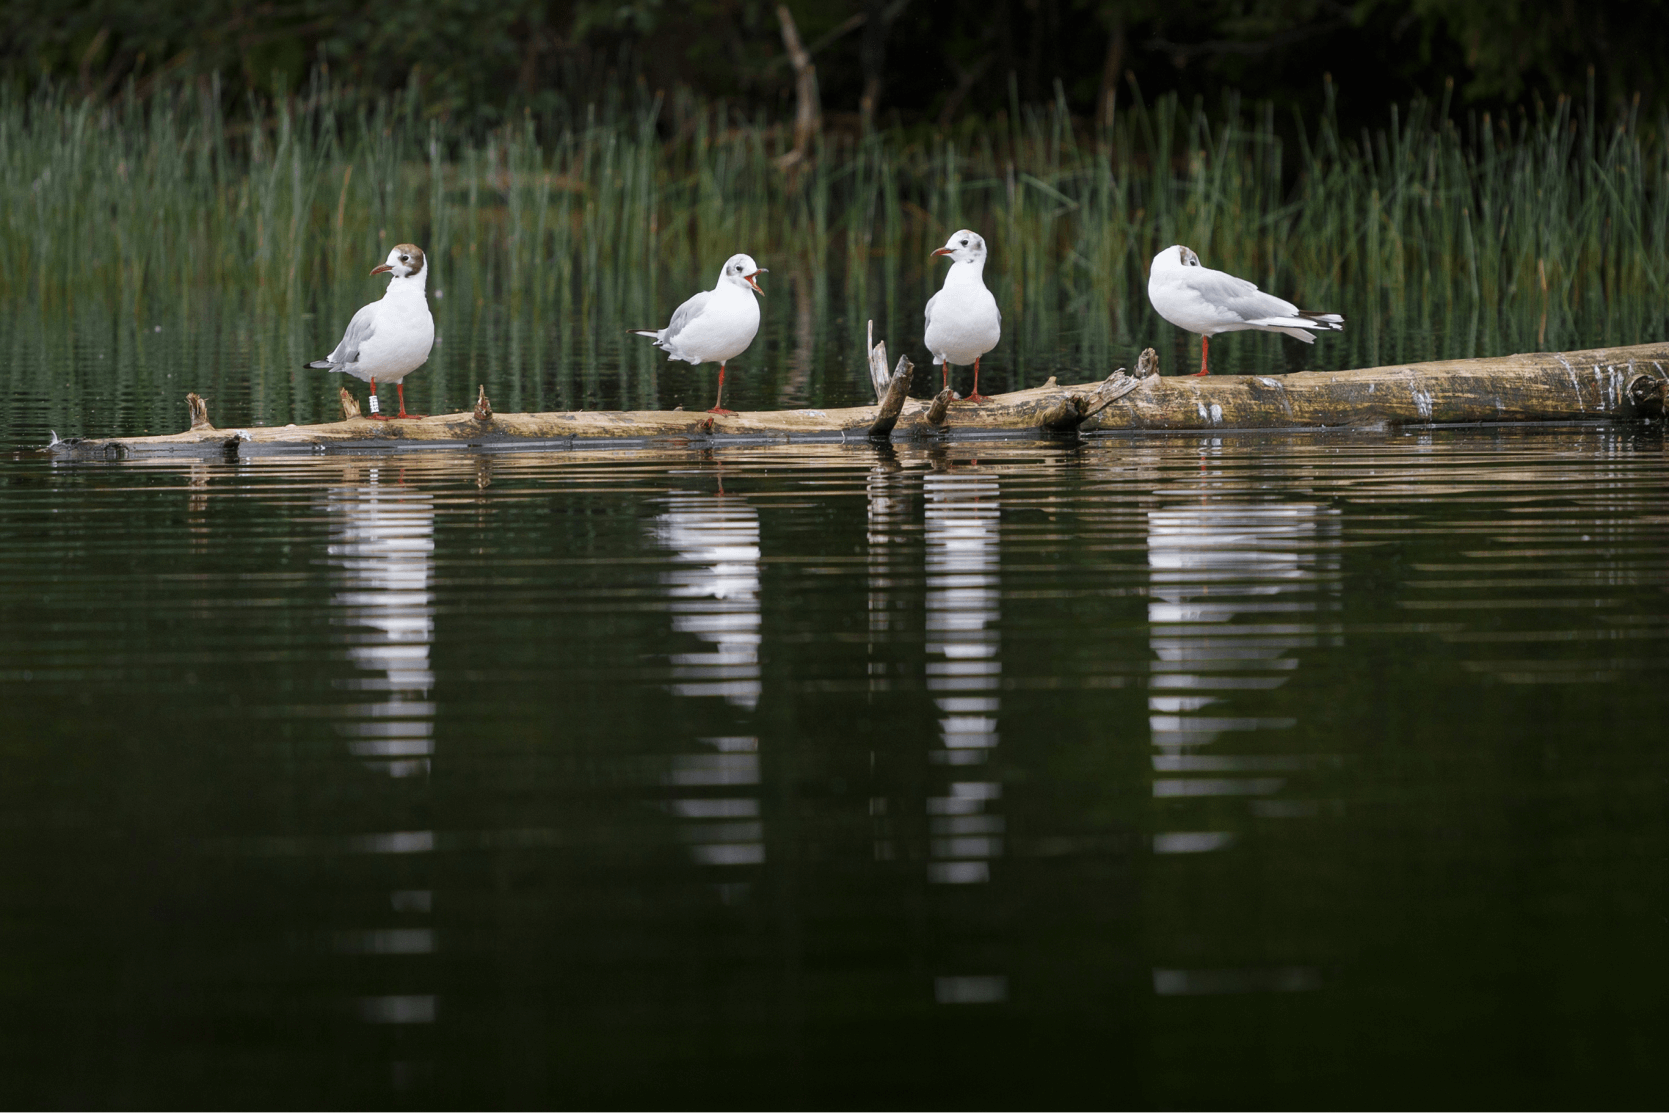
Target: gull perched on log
(1205, 301)
(391, 338)
(715, 324)
(963, 322)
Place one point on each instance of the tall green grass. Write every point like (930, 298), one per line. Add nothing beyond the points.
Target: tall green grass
(1439, 234)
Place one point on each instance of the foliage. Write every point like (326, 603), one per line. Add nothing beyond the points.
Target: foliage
(486, 60)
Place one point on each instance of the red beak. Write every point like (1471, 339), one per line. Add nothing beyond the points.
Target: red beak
(384, 269)
(942, 251)
(755, 285)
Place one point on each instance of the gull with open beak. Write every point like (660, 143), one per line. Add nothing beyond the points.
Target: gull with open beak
(716, 324)
(963, 322)
(391, 338)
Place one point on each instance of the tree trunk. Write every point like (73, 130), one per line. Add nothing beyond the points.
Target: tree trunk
(808, 112)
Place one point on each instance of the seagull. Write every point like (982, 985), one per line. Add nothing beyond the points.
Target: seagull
(715, 324)
(391, 338)
(962, 318)
(1205, 301)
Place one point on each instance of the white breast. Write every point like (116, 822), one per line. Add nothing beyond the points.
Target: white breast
(965, 322)
(402, 340)
(723, 330)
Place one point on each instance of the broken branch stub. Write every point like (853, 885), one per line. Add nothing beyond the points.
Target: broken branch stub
(1064, 416)
(350, 405)
(483, 408)
(941, 403)
(1645, 395)
(877, 355)
(892, 403)
(1116, 386)
(199, 412)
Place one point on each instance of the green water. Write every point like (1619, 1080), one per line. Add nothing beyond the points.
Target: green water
(1231, 770)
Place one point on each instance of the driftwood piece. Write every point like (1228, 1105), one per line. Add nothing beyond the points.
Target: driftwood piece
(879, 377)
(350, 406)
(1117, 385)
(941, 405)
(892, 403)
(1606, 384)
(1647, 394)
(199, 411)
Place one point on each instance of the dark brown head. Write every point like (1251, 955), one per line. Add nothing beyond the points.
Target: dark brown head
(405, 261)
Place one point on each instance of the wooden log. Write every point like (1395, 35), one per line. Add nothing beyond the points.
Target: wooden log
(1605, 384)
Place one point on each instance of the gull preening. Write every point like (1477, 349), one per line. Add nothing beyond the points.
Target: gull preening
(1205, 301)
(716, 324)
(963, 322)
(391, 338)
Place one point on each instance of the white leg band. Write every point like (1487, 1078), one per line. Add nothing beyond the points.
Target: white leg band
(374, 408)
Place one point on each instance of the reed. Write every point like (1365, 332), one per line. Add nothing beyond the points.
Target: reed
(1440, 234)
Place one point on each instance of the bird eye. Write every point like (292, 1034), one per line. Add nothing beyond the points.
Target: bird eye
(405, 258)
(964, 243)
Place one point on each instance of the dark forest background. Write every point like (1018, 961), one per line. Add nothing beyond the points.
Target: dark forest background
(910, 63)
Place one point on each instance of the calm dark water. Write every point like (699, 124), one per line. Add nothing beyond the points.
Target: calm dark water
(1234, 770)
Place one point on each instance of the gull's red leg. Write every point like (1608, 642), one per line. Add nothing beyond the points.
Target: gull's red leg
(400, 389)
(1205, 346)
(976, 396)
(944, 378)
(718, 404)
(375, 414)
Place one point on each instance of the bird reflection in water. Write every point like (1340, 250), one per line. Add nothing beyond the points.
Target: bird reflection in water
(1211, 568)
(963, 669)
(1234, 590)
(714, 589)
(382, 547)
(382, 540)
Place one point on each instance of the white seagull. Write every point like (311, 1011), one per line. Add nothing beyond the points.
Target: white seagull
(391, 338)
(963, 322)
(715, 324)
(1205, 301)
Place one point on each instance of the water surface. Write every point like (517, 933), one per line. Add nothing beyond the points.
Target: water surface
(1240, 769)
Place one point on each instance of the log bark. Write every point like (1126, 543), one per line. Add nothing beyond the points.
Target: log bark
(1606, 384)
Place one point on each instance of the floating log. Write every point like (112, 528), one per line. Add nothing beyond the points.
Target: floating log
(1604, 384)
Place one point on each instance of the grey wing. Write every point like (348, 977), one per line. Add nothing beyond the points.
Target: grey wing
(1241, 298)
(360, 329)
(927, 314)
(684, 314)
